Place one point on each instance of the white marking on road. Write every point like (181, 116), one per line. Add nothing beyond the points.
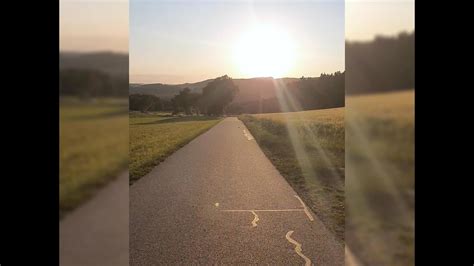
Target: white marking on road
(217, 204)
(248, 135)
(298, 248)
(281, 210)
(310, 217)
(255, 219)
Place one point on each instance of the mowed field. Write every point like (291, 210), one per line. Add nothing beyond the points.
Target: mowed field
(380, 177)
(93, 147)
(308, 149)
(153, 137)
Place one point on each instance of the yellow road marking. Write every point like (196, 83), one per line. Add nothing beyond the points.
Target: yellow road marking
(255, 219)
(298, 248)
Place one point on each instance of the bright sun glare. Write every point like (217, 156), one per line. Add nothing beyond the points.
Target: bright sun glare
(263, 52)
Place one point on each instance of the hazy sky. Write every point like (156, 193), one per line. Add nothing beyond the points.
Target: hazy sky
(183, 40)
(188, 41)
(92, 25)
(367, 18)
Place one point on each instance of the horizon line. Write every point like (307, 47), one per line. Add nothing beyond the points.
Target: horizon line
(182, 83)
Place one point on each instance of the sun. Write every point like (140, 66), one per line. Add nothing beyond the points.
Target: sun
(264, 51)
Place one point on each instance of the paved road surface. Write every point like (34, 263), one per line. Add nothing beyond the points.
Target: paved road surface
(219, 200)
(96, 233)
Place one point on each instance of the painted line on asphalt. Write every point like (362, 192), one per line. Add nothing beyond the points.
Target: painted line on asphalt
(254, 212)
(298, 248)
(310, 217)
(248, 135)
(280, 210)
(255, 219)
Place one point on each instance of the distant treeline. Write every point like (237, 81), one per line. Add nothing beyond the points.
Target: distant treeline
(92, 83)
(384, 64)
(214, 98)
(326, 91)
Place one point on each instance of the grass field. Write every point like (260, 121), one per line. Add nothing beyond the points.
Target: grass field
(307, 148)
(153, 137)
(380, 177)
(93, 147)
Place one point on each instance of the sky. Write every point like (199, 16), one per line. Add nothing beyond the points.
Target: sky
(93, 25)
(188, 41)
(367, 18)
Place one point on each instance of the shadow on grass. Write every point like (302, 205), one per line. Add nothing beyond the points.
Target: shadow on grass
(179, 119)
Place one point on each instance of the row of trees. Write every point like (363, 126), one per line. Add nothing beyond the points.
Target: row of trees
(86, 83)
(212, 101)
(186, 101)
(384, 64)
(326, 91)
(146, 103)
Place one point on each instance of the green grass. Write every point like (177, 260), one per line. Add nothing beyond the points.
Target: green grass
(93, 147)
(308, 149)
(153, 137)
(380, 177)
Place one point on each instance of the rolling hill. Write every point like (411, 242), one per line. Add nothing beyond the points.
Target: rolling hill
(115, 64)
(166, 91)
(249, 89)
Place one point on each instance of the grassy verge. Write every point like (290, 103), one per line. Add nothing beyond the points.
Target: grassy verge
(93, 147)
(380, 177)
(307, 148)
(153, 137)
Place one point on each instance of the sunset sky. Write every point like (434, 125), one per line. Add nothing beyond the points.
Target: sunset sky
(367, 18)
(176, 42)
(93, 25)
(187, 41)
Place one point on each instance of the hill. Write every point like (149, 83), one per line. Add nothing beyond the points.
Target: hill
(94, 74)
(264, 94)
(115, 64)
(249, 89)
(166, 91)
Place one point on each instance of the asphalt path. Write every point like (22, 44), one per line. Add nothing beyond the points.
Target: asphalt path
(96, 233)
(219, 200)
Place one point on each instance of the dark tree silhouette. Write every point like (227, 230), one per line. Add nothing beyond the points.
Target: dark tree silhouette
(144, 103)
(384, 64)
(185, 101)
(217, 95)
(91, 83)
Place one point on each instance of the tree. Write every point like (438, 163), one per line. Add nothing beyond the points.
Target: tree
(217, 95)
(185, 101)
(326, 91)
(86, 83)
(383, 64)
(144, 103)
